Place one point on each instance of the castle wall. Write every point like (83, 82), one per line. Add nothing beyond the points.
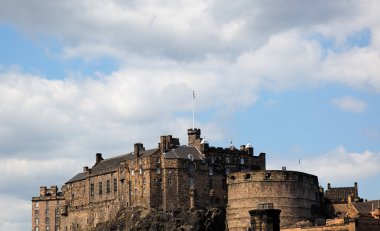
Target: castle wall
(46, 209)
(296, 194)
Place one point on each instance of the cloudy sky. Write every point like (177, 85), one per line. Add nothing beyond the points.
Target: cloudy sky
(300, 80)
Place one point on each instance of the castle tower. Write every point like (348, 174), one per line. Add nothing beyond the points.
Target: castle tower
(194, 135)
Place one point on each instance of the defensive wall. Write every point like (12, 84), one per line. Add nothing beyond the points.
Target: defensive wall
(296, 194)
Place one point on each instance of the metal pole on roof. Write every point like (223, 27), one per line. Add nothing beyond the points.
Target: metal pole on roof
(193, 107)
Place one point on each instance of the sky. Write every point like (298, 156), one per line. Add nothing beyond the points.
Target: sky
(300, 80)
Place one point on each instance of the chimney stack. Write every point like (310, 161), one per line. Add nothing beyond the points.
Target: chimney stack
(98, 158)
(43, 190)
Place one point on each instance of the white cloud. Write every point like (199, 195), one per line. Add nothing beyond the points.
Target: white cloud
(349, 103)
(335, 166)
(15, 214)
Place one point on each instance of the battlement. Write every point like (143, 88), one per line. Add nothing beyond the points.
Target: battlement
(338, 195)
(271, 175)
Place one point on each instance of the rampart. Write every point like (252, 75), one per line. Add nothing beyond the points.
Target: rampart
(296, 194)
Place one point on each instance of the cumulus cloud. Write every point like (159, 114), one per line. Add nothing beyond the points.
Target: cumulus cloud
(227, 52)
(349, 103)
(337, 165)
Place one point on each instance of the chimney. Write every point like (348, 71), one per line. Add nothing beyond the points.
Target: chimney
(137, 147)
(86, 169)
(43, 190)
(328, 185)
(53, 190)
(98, 158)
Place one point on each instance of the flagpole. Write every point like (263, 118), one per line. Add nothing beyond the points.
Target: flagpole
(193, 108)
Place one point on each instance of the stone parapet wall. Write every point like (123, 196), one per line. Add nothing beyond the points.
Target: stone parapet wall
(296, 194)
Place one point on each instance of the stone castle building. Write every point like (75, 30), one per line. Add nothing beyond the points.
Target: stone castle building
(169, 177)
(174, 177)
(296, 194)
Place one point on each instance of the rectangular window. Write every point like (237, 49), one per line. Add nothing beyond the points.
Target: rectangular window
(92, 189)
(108, 186)
(47, 220)
(114, 185)
(210, 183)
(191, 182)
(36, 221)
(169, 181)
(158, 170)
(36, 212)
(242, 161)
(210, 171)
(37, 204)
(227, 159)
(37, 229)
(100, 188)
(132, 172)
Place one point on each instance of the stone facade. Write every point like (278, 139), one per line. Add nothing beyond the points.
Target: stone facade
(46, 209)
(168, 178)
(296, 194)
(339, 195)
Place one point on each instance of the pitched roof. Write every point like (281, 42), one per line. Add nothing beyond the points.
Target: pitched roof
(366, 207)
(77, 177)
(184, 152)
(110, 165)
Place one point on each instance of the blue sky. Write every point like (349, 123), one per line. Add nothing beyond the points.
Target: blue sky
(299, 82)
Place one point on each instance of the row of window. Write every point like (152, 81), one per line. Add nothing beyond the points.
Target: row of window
(100, 187)
(228, 159)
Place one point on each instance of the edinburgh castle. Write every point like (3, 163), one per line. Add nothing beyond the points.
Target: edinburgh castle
(173, 178)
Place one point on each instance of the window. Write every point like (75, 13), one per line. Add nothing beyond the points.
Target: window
(114, 185)
(212, 160)
(191, 182)
(100, 188)
(36, 221)
(169, 181)
(108, 186)
(133, 172)
(210, 183)
(92, 189)
(210, 171)
(37, 204)
(47, 221)
(57, 211)
(191, 168)
(36, 212)
(227, 159)
(158, 160)
(37, 229)
(242, 161)
(158, 170)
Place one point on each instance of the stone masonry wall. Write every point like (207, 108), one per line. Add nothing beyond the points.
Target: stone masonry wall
(295, 193)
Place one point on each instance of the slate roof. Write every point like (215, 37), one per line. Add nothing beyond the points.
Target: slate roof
(77, 177)
(109, 165)
(183, 152)
(366, 207)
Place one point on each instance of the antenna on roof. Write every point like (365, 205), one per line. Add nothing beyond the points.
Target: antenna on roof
(193, 107)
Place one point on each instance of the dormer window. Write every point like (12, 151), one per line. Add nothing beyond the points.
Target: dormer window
(190, 157)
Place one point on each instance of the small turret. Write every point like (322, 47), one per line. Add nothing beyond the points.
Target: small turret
(194, 135)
